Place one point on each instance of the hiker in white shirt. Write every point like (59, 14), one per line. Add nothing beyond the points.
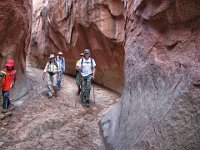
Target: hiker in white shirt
(87, 67)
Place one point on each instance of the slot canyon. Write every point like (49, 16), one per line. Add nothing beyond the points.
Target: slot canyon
(146, 91)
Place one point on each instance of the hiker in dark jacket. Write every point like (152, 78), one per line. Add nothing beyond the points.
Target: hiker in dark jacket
(87, 67)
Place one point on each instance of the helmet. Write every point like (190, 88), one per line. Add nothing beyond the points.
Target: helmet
(10, 63)
(81, 54)
(60, 53)
(86, 51)
(51, 56)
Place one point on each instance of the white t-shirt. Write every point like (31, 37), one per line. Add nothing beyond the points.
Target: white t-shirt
(86, 66)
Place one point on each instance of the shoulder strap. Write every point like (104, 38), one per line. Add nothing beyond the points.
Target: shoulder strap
(81, 62)
(55, 63)
(62, 60)
(91, 63)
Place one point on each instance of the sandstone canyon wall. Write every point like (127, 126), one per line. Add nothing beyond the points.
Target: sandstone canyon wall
(71, 26)
(15, 32)
(160, 106)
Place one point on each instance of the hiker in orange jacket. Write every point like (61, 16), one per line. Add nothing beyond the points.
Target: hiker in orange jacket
(8, 75)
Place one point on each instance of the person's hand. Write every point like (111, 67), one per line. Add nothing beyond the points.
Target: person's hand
(92, 77)
(43, 76)
(13, 85)
(59, 77)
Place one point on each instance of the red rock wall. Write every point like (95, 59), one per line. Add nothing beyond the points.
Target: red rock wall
(61, 25)
(15, 32)
(160, 106)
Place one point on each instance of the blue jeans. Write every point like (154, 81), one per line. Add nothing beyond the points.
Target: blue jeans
(6, 100)
(59, 81)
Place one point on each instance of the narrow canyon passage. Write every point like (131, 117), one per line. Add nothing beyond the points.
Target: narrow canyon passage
(54, 124)
(147, 50)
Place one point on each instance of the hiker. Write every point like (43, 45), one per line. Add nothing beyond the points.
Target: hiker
(52, 71)
(87, 67)
(61, 63)
(78, 76)
(8, 75)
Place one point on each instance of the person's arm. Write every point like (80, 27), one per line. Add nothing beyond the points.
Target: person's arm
(59, 68)
(44, 73)
(15, 77)
(64, 63)
(77, 67)
(94, 69)
(2, 73)
(14, 80)
(93, 72)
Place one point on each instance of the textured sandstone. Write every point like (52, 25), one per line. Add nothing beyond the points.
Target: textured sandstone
(15, 29)
(72, 26)
(160, 106)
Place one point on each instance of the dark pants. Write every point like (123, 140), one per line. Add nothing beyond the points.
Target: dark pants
(6, 100)
(85, 88)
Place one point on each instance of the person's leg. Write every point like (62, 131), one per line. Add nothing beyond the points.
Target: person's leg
(83, 89)
(6, 100)
(78, 83)
(88, 88)
(55, 87)
(50, 85)
(59, 81)
(62, 74)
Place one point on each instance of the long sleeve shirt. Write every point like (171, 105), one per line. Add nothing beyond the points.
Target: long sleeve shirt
(52, 67)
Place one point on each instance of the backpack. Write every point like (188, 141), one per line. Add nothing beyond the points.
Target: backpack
(90, 62)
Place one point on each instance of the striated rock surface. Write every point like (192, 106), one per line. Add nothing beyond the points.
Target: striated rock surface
(72, 26)
(160, 106)
(15, 32)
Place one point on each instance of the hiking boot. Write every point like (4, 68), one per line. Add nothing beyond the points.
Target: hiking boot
(50, 95)
(56, 88)
(87, 105)
(56, 94)
(87, 102)
(83, 102)
(4, 111)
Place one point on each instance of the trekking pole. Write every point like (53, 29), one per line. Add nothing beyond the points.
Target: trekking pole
(75, 102)
(93, 93)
